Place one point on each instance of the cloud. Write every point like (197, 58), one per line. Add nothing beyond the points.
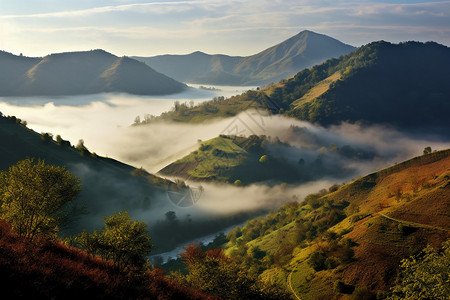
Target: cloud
(151, 7)
(230, 27)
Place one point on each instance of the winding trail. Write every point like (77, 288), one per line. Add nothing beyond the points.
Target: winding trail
(408, 223)
(413, 224)
(290, 283)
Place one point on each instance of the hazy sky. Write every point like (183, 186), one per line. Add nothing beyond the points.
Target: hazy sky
(234, 27)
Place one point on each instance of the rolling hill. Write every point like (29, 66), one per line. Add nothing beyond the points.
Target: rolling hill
(77, 73)
(348, 241)
(260, 159)
(283, 60)
(399, 85)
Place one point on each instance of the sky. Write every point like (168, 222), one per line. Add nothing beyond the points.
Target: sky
(233, 27)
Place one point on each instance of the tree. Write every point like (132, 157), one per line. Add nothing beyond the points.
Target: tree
(83, 150)
(124, 241)
(238, 182)
(424, 276)
(427, 150)
(34, 197)
(215, 273)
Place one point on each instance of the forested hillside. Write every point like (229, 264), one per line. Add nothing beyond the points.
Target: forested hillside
(401, 85)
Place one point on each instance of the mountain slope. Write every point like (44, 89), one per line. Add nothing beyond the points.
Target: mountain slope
(261, 159)
(109, 186)
(103, 179)
(399, 85)
(52, 270)
(301, 51)
(350, 239)
(196, 67)
(280, 61)
(76, 73)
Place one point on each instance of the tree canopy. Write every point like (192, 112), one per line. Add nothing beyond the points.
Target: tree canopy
(215, 273)
(124, 241)
(424, 276)
(34, 197)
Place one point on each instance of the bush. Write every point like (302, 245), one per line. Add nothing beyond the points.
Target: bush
(405, 229)
(264, 159)
(317, 261)
(361, 293)
(331, 263)
(340, 287)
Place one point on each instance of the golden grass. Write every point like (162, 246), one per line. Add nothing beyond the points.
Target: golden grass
(319, 89)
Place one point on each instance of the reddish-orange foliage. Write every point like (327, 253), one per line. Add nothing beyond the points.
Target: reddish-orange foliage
(51, 270)
(193, 253)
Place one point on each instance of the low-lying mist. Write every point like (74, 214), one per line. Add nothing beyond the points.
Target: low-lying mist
(103, 122)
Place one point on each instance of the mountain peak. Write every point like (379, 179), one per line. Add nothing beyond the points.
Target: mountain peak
(198, 53)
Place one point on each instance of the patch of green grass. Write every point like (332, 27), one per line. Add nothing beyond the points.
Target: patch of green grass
(213, 156)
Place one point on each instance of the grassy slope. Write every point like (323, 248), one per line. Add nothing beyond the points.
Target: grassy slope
(205, 163)
(229, 158)
(318, 90)
(51, 270)
(414, 191)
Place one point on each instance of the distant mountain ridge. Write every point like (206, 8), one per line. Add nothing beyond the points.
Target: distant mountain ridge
(280, 61)
(75, 73)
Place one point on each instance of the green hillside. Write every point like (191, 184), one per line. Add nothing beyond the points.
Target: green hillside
(348, 241)
(401, 85)
(247, 160)
(110, 186)
(102, 178)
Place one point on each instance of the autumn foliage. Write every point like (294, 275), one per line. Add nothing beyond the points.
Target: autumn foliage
(45, 269)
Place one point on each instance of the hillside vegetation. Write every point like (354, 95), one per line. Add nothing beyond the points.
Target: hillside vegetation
(348, 241)
(283, 60)
(77, 73)
(100, 176)
(402, 85)
(109, 186)
(51, 270)
(247, 160)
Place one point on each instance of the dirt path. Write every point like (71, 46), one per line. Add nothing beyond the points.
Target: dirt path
(290, 284)
(413, 224)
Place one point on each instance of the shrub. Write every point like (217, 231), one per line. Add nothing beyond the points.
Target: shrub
(264, 159)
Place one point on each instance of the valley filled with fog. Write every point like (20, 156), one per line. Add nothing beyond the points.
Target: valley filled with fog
(104, 122)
